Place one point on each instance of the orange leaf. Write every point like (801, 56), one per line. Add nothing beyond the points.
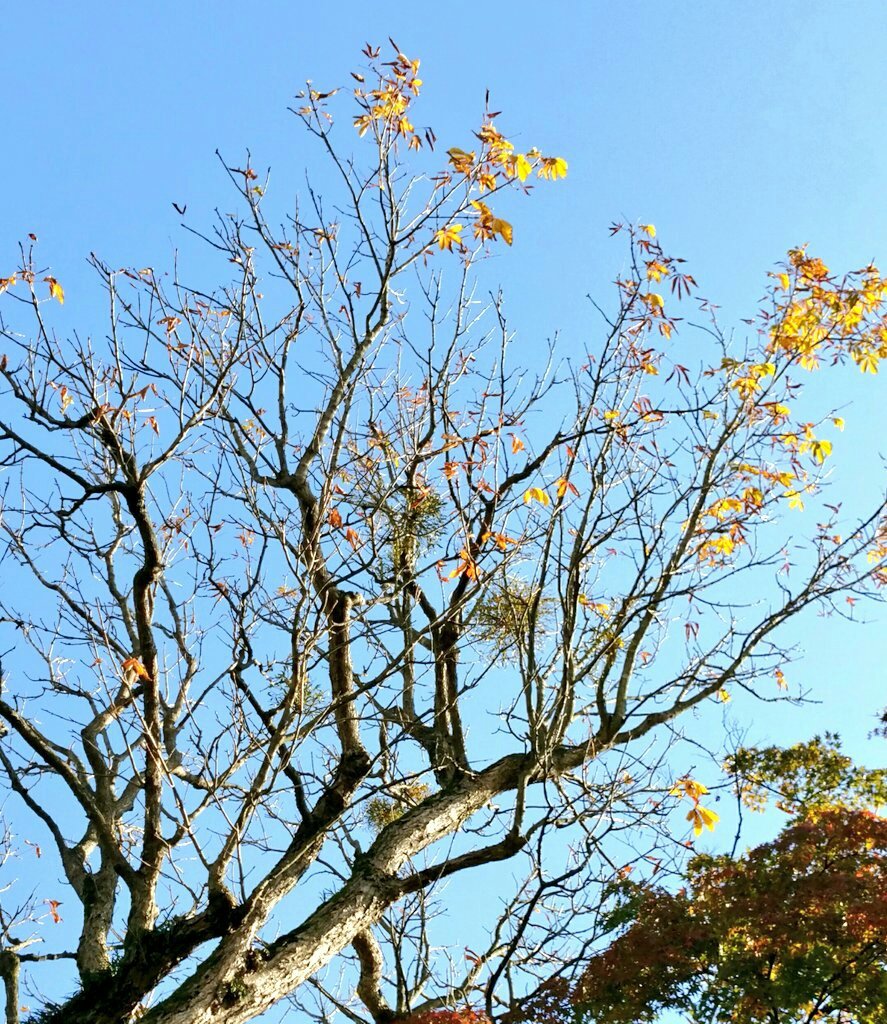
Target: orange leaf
(467, 567)
(135, 666)
(688, 787)
(499, 539)
(170, 323)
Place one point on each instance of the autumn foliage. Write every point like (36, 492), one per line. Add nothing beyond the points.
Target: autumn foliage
(455, 1016)
(795, 931)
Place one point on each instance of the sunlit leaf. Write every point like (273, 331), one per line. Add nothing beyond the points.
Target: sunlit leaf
(536, 494)
(55, 290)
(702, 817)
(132, 666)
(552, 167)
(449, 236)
(688, 787)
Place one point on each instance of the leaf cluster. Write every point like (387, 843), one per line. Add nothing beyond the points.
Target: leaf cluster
(805, 777)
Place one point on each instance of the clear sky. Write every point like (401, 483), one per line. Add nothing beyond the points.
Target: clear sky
(739, 129)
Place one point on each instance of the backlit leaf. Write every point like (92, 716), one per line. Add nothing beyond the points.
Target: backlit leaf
(135, 667)
(536, 494)
(55, 290)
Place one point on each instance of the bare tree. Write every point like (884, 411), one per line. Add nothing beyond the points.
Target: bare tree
(318, 595)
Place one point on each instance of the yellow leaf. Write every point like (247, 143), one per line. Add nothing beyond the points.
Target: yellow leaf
(552, 167)
(6, 282)
(784, 281)
(449, 236)
(522, 167)
(536, 494)
(462, 162)
(650, 229)
(503, 229)
(794, 500)
(821, 450)
(516, 444)
(724, 544)
(724, 508)
(724, 696)
(838, 422)
(55, 290)
(702, 817)
(866, 361)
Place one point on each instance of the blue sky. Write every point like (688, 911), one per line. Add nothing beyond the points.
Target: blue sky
(740, 130)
